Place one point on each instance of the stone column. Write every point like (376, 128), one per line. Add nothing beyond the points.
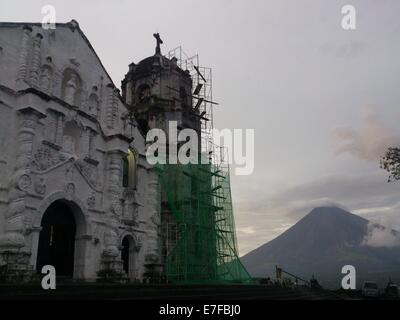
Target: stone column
(60, 129)
(22, 181)
(85, 142)
(92, 135)
(110, 102)
(153, 202)
(114, 172)
(23, 54)
(36, 61)
(26, 134)
(13, 240)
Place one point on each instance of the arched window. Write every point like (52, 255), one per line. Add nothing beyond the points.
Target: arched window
(144, 93)
(129, 170)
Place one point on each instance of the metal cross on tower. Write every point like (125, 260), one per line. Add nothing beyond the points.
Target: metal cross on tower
(159, 42)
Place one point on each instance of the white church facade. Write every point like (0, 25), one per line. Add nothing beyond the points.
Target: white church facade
(75, 187)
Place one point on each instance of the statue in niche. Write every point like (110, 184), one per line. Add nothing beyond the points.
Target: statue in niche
(72, 135)
(71, 88)
(93, 105)
(45, 79)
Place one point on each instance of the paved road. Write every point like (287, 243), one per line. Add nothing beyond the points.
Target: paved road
(162, 292)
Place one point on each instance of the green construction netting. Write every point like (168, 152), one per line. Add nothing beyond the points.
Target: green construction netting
(202, 241)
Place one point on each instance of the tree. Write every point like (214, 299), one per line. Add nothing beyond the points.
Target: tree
(391, 163)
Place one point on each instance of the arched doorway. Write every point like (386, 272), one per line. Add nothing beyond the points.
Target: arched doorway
(128, 256)
(57, 239)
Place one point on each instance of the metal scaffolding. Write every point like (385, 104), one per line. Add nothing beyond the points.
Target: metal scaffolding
(200, 242)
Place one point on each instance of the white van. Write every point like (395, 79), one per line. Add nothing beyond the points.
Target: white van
(370, 289)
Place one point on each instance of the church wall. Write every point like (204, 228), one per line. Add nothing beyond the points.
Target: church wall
(64, 133)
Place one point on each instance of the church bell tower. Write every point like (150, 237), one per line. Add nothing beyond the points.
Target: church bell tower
(158, 91)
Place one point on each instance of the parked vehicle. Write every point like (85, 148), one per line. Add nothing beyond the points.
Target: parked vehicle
(392, 291)
(370, 289)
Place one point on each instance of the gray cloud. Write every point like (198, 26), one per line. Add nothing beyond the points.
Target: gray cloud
(379, 236)
(367, 143)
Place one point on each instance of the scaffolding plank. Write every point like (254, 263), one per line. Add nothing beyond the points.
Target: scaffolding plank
(198, 88)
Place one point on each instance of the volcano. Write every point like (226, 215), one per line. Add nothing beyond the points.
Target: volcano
(325, 240)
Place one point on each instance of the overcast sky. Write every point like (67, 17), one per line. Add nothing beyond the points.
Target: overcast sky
(324, 102)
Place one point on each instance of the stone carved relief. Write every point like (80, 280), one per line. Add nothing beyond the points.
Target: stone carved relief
(138, 242)
(69, 172)
(116, 207)
(70, 189)
(15, 227)
(40, 186)
(130, 208)
(46, 76)
(24, 53)
(111, 243)
(45, 158)
(35, 60)
(24, 182)
(151, 258)
(91, 201)
(28, 123)
(72, 133)
(111, 106)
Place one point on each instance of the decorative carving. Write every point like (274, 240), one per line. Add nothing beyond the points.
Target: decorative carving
(69, 172)
(74, 62)
(111, 243)
(70, 89)
(138, 243)
(23, 53)
(114, 172)
(60, 129)
(28, 123)
(151, 258)
(40, 186)
(26, 136)
(91, 201)
(13, 238)
(111, 106)
(155, 219)
(24, 182)
(45, 158)
(130, 208)
(116, 207)
(129, 195)
(46, 78)
(70, 189)
(135, 216)
(35, 64)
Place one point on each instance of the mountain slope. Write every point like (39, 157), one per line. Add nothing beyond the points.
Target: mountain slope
(321, 244)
